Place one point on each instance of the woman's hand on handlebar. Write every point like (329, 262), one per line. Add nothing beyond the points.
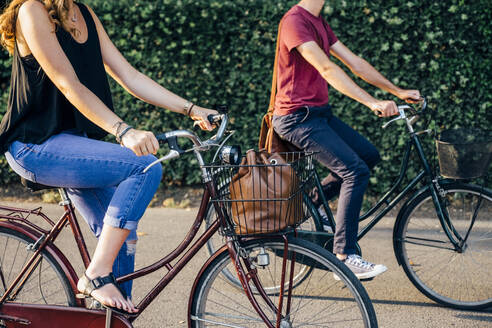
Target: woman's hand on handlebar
(200, 114)
(409, 96)
(140, 142)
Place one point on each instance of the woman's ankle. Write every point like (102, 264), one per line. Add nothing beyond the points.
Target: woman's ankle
(93, 273)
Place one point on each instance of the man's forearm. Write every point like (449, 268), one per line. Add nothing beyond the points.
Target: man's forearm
(339, 80)
(369, 74)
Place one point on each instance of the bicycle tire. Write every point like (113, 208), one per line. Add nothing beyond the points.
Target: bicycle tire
(47, 284)
(217, 241)
(319, 299)
(445, 275)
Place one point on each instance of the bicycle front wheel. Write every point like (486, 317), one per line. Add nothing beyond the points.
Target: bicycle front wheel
(47, 284)
(456, 277)
(319, 301)
(218, 240)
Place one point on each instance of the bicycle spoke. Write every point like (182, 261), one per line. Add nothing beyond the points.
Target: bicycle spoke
(411, 241)
(45, 284)
(242, 306)
(315, 302)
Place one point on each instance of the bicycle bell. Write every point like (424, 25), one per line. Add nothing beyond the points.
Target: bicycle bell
(231, 155)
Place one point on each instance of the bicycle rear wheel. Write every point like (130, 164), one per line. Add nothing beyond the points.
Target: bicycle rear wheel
(47, 284)
(455, 278)
(318, 301)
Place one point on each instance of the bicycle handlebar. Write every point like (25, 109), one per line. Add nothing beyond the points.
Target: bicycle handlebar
(403, 114)
(172, 136)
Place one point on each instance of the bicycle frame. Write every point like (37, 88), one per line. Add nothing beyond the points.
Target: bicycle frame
(45, 239)
(390, 199)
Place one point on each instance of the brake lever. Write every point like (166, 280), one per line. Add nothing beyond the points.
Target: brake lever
(172, 154)
(385, 125)
(401, 110)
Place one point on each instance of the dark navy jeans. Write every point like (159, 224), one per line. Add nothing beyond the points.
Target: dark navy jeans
(347, 154)
(104, 180)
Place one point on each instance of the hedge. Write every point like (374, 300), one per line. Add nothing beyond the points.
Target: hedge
(216, 52)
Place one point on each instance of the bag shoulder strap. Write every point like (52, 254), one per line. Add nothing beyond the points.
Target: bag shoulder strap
(273, 93)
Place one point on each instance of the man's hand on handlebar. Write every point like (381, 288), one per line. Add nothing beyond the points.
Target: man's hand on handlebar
(410, 96)
(384, 108)
(200, 116)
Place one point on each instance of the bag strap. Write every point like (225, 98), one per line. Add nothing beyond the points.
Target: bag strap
(273, 93)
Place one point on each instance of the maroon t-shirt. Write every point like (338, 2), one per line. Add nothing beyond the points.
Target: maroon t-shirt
(298, 82)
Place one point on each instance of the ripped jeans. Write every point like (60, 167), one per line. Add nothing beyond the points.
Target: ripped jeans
(104, 180)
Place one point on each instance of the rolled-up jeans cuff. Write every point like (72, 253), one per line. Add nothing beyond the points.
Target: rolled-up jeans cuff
(120, 223)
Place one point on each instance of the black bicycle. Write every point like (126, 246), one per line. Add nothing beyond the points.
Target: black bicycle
(442, 235)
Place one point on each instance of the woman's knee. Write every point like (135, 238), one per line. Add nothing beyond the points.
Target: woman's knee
(154, 171)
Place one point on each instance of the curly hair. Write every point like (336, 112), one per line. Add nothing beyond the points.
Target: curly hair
(57, 10)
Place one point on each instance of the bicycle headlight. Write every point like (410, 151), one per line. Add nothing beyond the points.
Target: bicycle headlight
(231, 155)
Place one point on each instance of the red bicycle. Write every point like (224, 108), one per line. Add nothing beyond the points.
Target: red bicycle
(38, 282)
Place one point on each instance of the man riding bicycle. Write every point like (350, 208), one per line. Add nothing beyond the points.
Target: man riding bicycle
(303, 117)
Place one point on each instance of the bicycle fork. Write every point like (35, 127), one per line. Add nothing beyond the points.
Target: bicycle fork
(439, 198)
(249, 273)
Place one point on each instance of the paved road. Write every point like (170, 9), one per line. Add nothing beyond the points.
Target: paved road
(397, 302)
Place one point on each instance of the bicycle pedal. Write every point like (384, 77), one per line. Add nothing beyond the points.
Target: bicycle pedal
(82, 296)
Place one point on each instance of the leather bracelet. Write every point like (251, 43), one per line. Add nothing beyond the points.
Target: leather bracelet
(120, 136)
(187, 106)
(191, 108)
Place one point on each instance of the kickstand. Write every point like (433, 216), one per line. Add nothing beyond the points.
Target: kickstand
(108, 318)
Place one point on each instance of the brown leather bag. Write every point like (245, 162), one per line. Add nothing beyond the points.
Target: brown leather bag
(265, 194)
(269, 140)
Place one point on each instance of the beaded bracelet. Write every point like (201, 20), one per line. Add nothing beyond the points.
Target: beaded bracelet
(117, 127)
(120, 136)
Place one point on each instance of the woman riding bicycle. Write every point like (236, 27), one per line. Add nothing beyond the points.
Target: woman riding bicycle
(59, 105)
(303, 117)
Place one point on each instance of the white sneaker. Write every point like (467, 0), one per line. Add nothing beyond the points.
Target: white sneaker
(324, 220)
(361, 268)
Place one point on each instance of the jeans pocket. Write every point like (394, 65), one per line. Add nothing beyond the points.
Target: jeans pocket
(287, 123)
(308, 111)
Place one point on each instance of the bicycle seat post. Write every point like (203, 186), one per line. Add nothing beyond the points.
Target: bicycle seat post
(64, 197)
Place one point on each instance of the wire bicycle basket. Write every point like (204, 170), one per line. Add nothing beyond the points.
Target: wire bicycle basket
(272, 199)
(464, 153)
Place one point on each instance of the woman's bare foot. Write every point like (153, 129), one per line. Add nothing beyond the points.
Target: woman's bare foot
(108, 294)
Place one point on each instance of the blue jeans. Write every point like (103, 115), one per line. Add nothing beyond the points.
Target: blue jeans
(347, 154)
(104, 180)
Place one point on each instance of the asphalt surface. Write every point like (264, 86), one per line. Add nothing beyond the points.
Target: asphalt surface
(396, 301)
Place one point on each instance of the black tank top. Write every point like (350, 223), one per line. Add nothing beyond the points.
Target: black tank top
(37, 109)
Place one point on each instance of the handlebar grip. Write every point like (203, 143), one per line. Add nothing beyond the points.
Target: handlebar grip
(161, 138)
(424, 105)
(214, 118)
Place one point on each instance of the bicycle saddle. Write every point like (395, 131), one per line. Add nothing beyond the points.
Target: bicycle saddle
(33, 186)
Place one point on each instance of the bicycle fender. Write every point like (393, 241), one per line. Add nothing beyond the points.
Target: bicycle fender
(51, 248)
(41, 315)
(403, 209)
